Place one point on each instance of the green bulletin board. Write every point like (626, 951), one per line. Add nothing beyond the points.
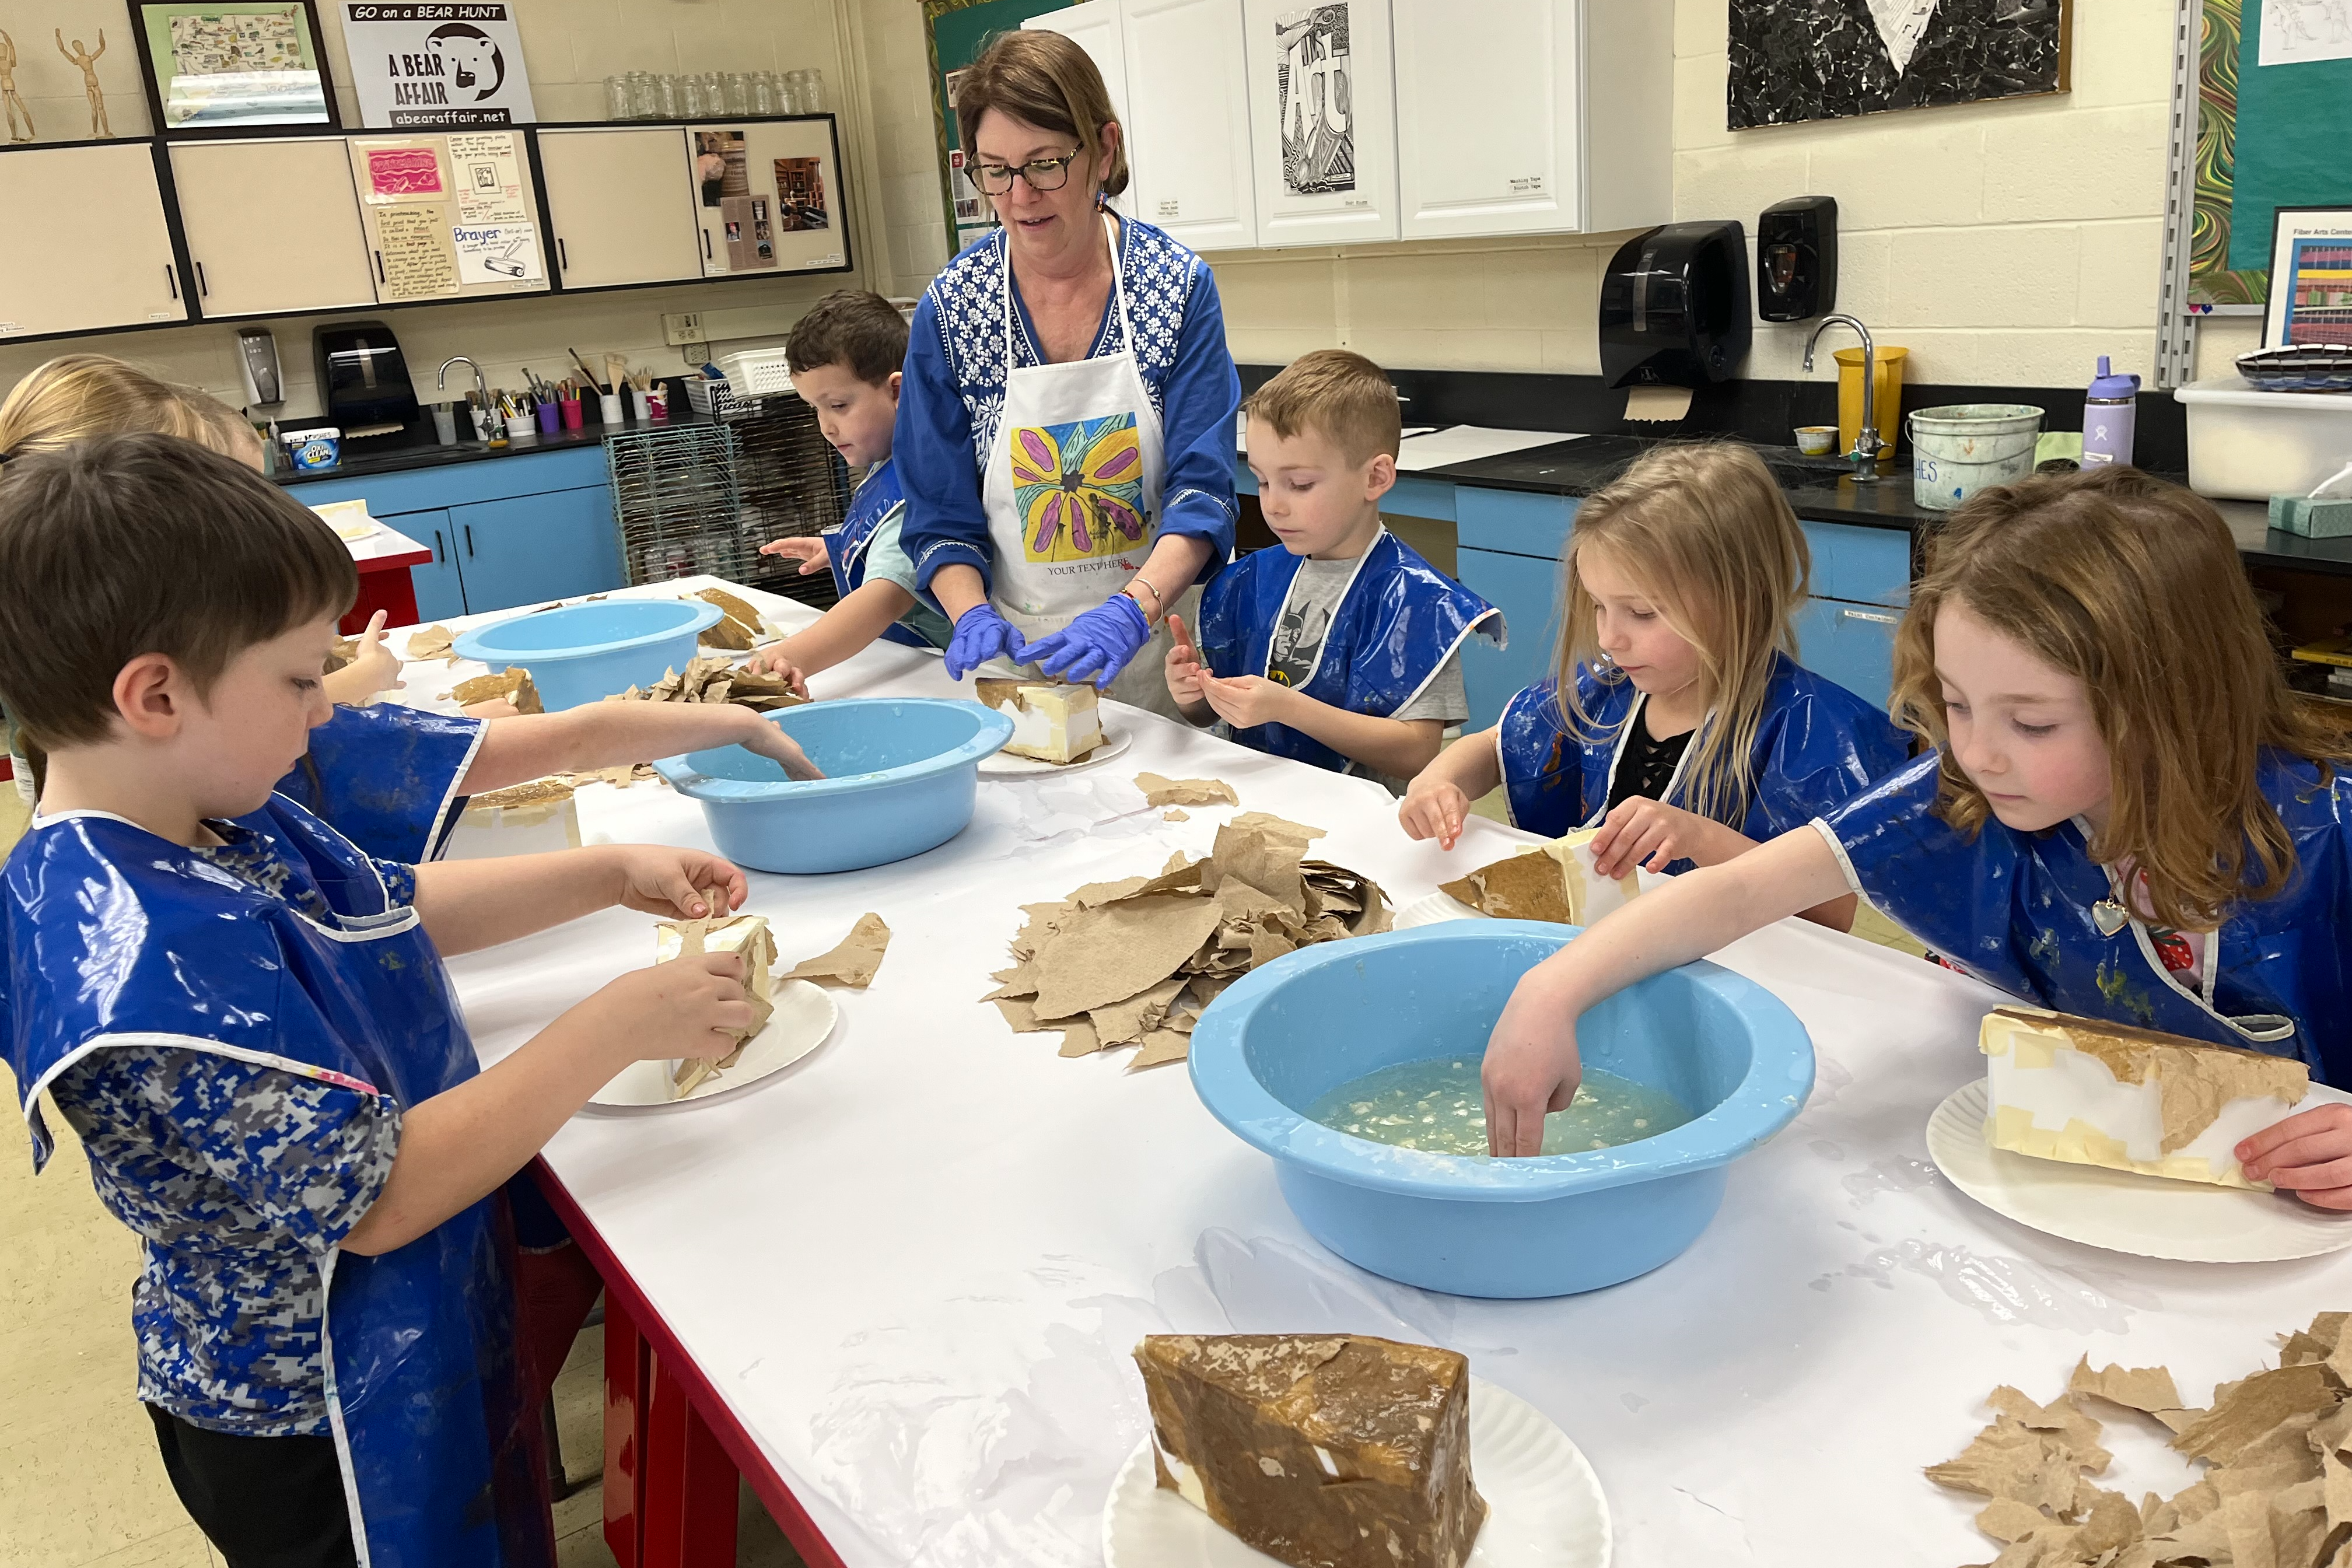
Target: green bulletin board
(2267, 137)
(956, 31)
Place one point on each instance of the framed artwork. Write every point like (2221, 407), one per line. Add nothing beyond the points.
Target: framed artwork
(2311, 279)
(234, 65)
(1797, 60)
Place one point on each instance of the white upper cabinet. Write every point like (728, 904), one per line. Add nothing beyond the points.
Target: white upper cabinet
(1188, 120)
(248, 268)
(621, 211)
(1322, 121)
(87, 247)
(1546, 116)
(1096, 26)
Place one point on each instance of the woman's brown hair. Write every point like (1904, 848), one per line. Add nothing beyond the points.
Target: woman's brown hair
(1045, 80)
(1707, 536)
(2134, 587)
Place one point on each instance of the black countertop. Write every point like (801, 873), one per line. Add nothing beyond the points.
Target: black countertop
(361, 464)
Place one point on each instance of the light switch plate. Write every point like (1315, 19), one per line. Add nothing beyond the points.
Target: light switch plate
(683, 327)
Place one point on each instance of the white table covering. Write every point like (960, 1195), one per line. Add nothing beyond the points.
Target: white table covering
(915, 1263)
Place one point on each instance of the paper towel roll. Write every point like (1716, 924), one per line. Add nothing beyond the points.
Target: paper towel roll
(1657, 405)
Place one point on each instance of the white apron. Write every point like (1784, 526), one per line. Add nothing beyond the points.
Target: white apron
(1072, 493)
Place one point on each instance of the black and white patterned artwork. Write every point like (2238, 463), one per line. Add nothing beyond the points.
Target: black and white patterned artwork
(1793, 60)
(1311, 91)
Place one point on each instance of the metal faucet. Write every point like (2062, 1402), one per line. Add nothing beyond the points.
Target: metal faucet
(1864, 456)
(482, 389)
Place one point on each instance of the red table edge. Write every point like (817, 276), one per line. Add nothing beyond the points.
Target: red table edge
(420, 556)
(741, 1446)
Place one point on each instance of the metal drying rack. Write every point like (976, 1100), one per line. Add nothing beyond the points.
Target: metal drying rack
(702, 497)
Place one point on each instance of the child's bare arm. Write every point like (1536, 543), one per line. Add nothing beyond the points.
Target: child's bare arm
(1532, 1064)
(459, 1146)
(472, 904)
(1437, 802)
(1394, 746)
(843, 630)
(607, 734)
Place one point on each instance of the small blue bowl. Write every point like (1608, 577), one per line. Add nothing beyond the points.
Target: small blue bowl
(585, 653)
(1289, 1033)
(900, 778)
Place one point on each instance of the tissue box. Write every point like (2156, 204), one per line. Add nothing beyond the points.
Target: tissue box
(2312, 519)
(533, 819)
(746, 934)
(1052, 721)
(2094, 1093)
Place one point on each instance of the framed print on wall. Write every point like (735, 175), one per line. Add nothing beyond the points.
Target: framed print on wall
(2311, 278)
(234, 65)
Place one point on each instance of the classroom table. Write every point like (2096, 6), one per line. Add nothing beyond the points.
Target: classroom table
(384, 559)
(896, 1285)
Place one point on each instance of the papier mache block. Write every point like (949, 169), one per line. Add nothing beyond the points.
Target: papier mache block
(1054, 721)
(2094, 1093)
(746, 934)
(1329, 1451)
(1558, 881)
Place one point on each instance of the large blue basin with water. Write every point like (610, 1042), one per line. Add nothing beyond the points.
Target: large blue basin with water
(1288, 1034)
(585, 653)
(901, 776)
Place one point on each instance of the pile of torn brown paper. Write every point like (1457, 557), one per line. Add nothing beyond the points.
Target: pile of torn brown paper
(509, 686)
(738, 626)
(716, 680)
(1134, 963)
(2277, 1450)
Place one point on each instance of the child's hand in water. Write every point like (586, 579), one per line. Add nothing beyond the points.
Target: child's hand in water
(1434, 810)
(766, 739)
(1532, 1067)
(2308, 1154)
(1649, 834)
(809, 552)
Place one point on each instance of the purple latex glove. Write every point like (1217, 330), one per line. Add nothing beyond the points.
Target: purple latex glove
(981, 635)
(1095, 646)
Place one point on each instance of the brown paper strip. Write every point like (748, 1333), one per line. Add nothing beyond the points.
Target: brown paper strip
(855, 962)
(1159, 790)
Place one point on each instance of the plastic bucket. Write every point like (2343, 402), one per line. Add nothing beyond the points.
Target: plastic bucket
(1288, 1033)
(1964, 448)
(901, 776)
(585, 653)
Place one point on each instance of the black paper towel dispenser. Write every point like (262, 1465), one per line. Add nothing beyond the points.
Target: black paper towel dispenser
(1674, 306)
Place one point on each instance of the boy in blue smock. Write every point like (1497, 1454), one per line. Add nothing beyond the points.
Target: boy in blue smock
(1343, 647)
(845, 356)
(247, 1020)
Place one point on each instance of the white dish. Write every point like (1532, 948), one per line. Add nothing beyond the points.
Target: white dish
(2121, 1211)
(1117, 738)
(353, 532)
(1433, 908)
(1544, 1504)
(805, 1017)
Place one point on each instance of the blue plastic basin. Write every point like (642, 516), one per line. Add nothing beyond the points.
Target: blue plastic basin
(585, 653)
(901, 775)
(1286, 1035)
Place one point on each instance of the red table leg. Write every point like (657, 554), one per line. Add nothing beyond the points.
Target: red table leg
(626, 1379)
(689, 1483)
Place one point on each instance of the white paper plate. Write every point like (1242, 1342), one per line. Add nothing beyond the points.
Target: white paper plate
(2122, 1210)
(1117, 738)
(1431, 910)
(353, 532)
(805, 1017)
(1544, 1507)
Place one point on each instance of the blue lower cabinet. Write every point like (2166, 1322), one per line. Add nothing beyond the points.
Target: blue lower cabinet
(527, 550)
(1850, 644)
(1513, 522)
(1525, 588)
(440, 588)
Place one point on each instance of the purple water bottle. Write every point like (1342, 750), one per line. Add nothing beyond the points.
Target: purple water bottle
(2108, 412)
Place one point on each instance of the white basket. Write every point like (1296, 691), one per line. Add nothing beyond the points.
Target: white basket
(712, 399)
(2250, 445)
(758, 372)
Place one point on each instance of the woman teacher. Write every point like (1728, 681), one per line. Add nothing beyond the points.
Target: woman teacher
(1065, 423)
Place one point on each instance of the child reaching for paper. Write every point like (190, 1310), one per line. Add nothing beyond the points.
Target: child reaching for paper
(1677, 723)
(2126, 814)
(392, 779)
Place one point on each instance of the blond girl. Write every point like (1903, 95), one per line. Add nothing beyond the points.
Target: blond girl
(391, 778)
(1677, 723)
(2127, 814)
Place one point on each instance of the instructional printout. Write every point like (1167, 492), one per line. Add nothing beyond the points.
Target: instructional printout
(2296, 31)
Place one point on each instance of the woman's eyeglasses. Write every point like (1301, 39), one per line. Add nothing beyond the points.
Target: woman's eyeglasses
(1044, 174)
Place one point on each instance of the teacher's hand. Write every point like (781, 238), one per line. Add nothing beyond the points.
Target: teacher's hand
(1095, 646)
(981, 635)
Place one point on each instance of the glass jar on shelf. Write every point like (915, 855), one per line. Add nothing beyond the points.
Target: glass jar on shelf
(665, 96)
(642, 102)
(737, 93)
(764, 95)
(617, 98)
(811, 93)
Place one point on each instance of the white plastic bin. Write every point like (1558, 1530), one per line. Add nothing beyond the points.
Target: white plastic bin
(2248, 445)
